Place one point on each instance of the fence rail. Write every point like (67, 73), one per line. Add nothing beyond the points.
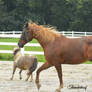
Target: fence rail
(16, 34)
(14, 43)
(24, 52)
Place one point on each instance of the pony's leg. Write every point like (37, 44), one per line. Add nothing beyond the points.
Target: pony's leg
(31, 77)
(14, 69)
(44, 66)
(20, 74)
(59, 71)
(28, 75)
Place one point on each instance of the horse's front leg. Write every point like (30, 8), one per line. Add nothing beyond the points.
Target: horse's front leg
(43, 67)
(59, 71)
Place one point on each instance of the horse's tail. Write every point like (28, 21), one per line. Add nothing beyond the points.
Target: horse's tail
(34, 65)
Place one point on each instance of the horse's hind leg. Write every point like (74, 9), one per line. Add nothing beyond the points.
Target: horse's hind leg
(20, 74)
(59, 70)
(43, 67)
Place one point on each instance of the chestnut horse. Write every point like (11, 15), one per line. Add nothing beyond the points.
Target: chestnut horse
(58, 49)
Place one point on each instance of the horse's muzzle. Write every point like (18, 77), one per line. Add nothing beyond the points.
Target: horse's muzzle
(21, 45)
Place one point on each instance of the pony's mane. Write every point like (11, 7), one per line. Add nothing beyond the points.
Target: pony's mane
(17, 54)
(48, 32)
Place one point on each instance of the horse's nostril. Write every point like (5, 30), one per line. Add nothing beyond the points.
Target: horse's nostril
(19, 44)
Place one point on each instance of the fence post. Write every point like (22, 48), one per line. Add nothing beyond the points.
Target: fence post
(85, 33)
(72, 34)
(3, 33)
(13, 32)
(63, 32)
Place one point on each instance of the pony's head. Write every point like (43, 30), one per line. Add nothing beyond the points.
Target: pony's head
(16, 50)
(27, 35)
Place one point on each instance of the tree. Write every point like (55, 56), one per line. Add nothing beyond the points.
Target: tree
(64, 14)
(57, 14)
(83, 18)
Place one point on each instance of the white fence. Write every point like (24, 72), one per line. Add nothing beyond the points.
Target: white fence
(25, 52)
(16, 34)
(10, 34)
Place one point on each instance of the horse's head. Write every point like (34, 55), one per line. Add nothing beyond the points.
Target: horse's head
(27, 35)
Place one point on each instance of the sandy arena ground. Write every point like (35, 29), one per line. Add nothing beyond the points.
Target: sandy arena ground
(76, 78)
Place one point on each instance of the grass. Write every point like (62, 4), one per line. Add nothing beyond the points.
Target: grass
(27, 48)
(88, 62)
(15, 40)
(9, 57)
(3, 47)
(9, 39)
(33, 48)
(6, 57)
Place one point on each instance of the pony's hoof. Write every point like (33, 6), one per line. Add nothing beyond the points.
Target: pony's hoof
(31, 80)
(57, 90)
(26, 79)
(11, 78)
(20, 78)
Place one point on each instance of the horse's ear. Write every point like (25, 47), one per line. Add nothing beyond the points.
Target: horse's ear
(26, 25)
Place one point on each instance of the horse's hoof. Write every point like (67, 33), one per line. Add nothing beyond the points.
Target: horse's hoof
(38, 86)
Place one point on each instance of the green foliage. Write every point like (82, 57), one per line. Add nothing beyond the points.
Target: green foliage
(64, 14)
(83, 19)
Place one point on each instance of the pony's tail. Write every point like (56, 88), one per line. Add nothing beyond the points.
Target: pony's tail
(34, 65)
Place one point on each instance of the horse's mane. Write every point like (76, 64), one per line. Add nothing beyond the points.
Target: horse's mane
(48, 32)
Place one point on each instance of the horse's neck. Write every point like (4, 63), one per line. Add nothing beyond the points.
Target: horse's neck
(43, 39)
